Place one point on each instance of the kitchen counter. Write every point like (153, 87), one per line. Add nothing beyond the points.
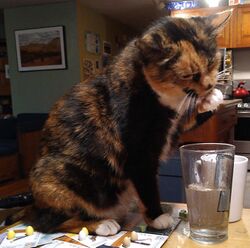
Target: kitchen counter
(229, 103)
(238, 234)
(216, 129)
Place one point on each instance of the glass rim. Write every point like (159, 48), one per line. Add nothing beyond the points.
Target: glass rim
(194, 147)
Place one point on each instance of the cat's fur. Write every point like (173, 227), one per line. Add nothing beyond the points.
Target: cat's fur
(103, 141)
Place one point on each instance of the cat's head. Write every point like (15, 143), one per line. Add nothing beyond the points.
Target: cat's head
(180, 54)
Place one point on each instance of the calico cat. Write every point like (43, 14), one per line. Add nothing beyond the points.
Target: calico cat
(103, 141)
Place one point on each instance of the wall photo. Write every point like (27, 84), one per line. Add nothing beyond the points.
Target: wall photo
(40, 49)
(92, 42)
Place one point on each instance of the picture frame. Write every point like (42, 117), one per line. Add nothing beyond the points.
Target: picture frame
(107, 47)
(40, 49)
(92, 42)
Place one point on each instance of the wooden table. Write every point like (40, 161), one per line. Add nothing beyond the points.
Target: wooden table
(238, 234)
(13, 188)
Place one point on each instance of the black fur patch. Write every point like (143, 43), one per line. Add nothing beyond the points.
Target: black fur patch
(45, 219)
(102, 193)
(187, 32)
(202, 117)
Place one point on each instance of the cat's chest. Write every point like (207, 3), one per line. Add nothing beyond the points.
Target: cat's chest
(171, 138)
(172, 101)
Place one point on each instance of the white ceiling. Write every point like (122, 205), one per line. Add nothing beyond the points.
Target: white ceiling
(135, 13)
(17, 3)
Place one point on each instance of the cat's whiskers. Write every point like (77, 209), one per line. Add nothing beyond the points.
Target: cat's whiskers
(180, 108)
(187, 105)
(192, 104)
(188, 109)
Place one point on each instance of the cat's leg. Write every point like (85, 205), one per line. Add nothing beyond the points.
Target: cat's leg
(68, 212)
(210, 102)
(205, 109)
(146, 186)
(208, 105)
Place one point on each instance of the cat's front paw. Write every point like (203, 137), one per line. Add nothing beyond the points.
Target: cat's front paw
(107, 227)
(211, 102)
(161, 222)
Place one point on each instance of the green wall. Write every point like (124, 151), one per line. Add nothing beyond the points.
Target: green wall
(36, 91)
(2, 33)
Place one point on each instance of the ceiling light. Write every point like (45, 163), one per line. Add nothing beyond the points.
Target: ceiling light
(213, 3)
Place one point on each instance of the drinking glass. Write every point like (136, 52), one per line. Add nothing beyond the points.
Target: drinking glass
(207, 170)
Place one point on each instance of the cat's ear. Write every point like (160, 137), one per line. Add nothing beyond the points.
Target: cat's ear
(219, 20)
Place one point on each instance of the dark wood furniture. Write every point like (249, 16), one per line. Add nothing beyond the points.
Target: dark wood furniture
(14, 188)
(218, 128)
(29, 135)
(9, 158)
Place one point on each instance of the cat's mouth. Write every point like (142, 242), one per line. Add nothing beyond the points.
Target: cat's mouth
(193, 92)
(208, 92)
(190, 101)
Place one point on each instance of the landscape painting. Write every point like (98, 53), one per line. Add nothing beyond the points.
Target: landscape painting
(40, 49)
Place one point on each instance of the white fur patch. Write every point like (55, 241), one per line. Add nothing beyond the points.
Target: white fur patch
(171, 100)
(163, 221)
(211, 102)
(107, 227)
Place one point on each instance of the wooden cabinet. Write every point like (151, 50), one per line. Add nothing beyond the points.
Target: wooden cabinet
(4, 82)
(236, 33)
(241, 36)
(5, 89)
(224, 38)
(217, 129)
(29, 126)
(9, 169)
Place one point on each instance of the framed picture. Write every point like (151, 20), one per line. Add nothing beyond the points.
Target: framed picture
(40, 49)
(107, 47)
(92, 42)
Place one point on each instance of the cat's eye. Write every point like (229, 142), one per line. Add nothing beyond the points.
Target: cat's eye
(186, 77)
(195, 77)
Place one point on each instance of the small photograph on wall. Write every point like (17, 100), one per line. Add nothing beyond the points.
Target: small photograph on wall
(107, 47)
(92, 42)
(40, 49)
